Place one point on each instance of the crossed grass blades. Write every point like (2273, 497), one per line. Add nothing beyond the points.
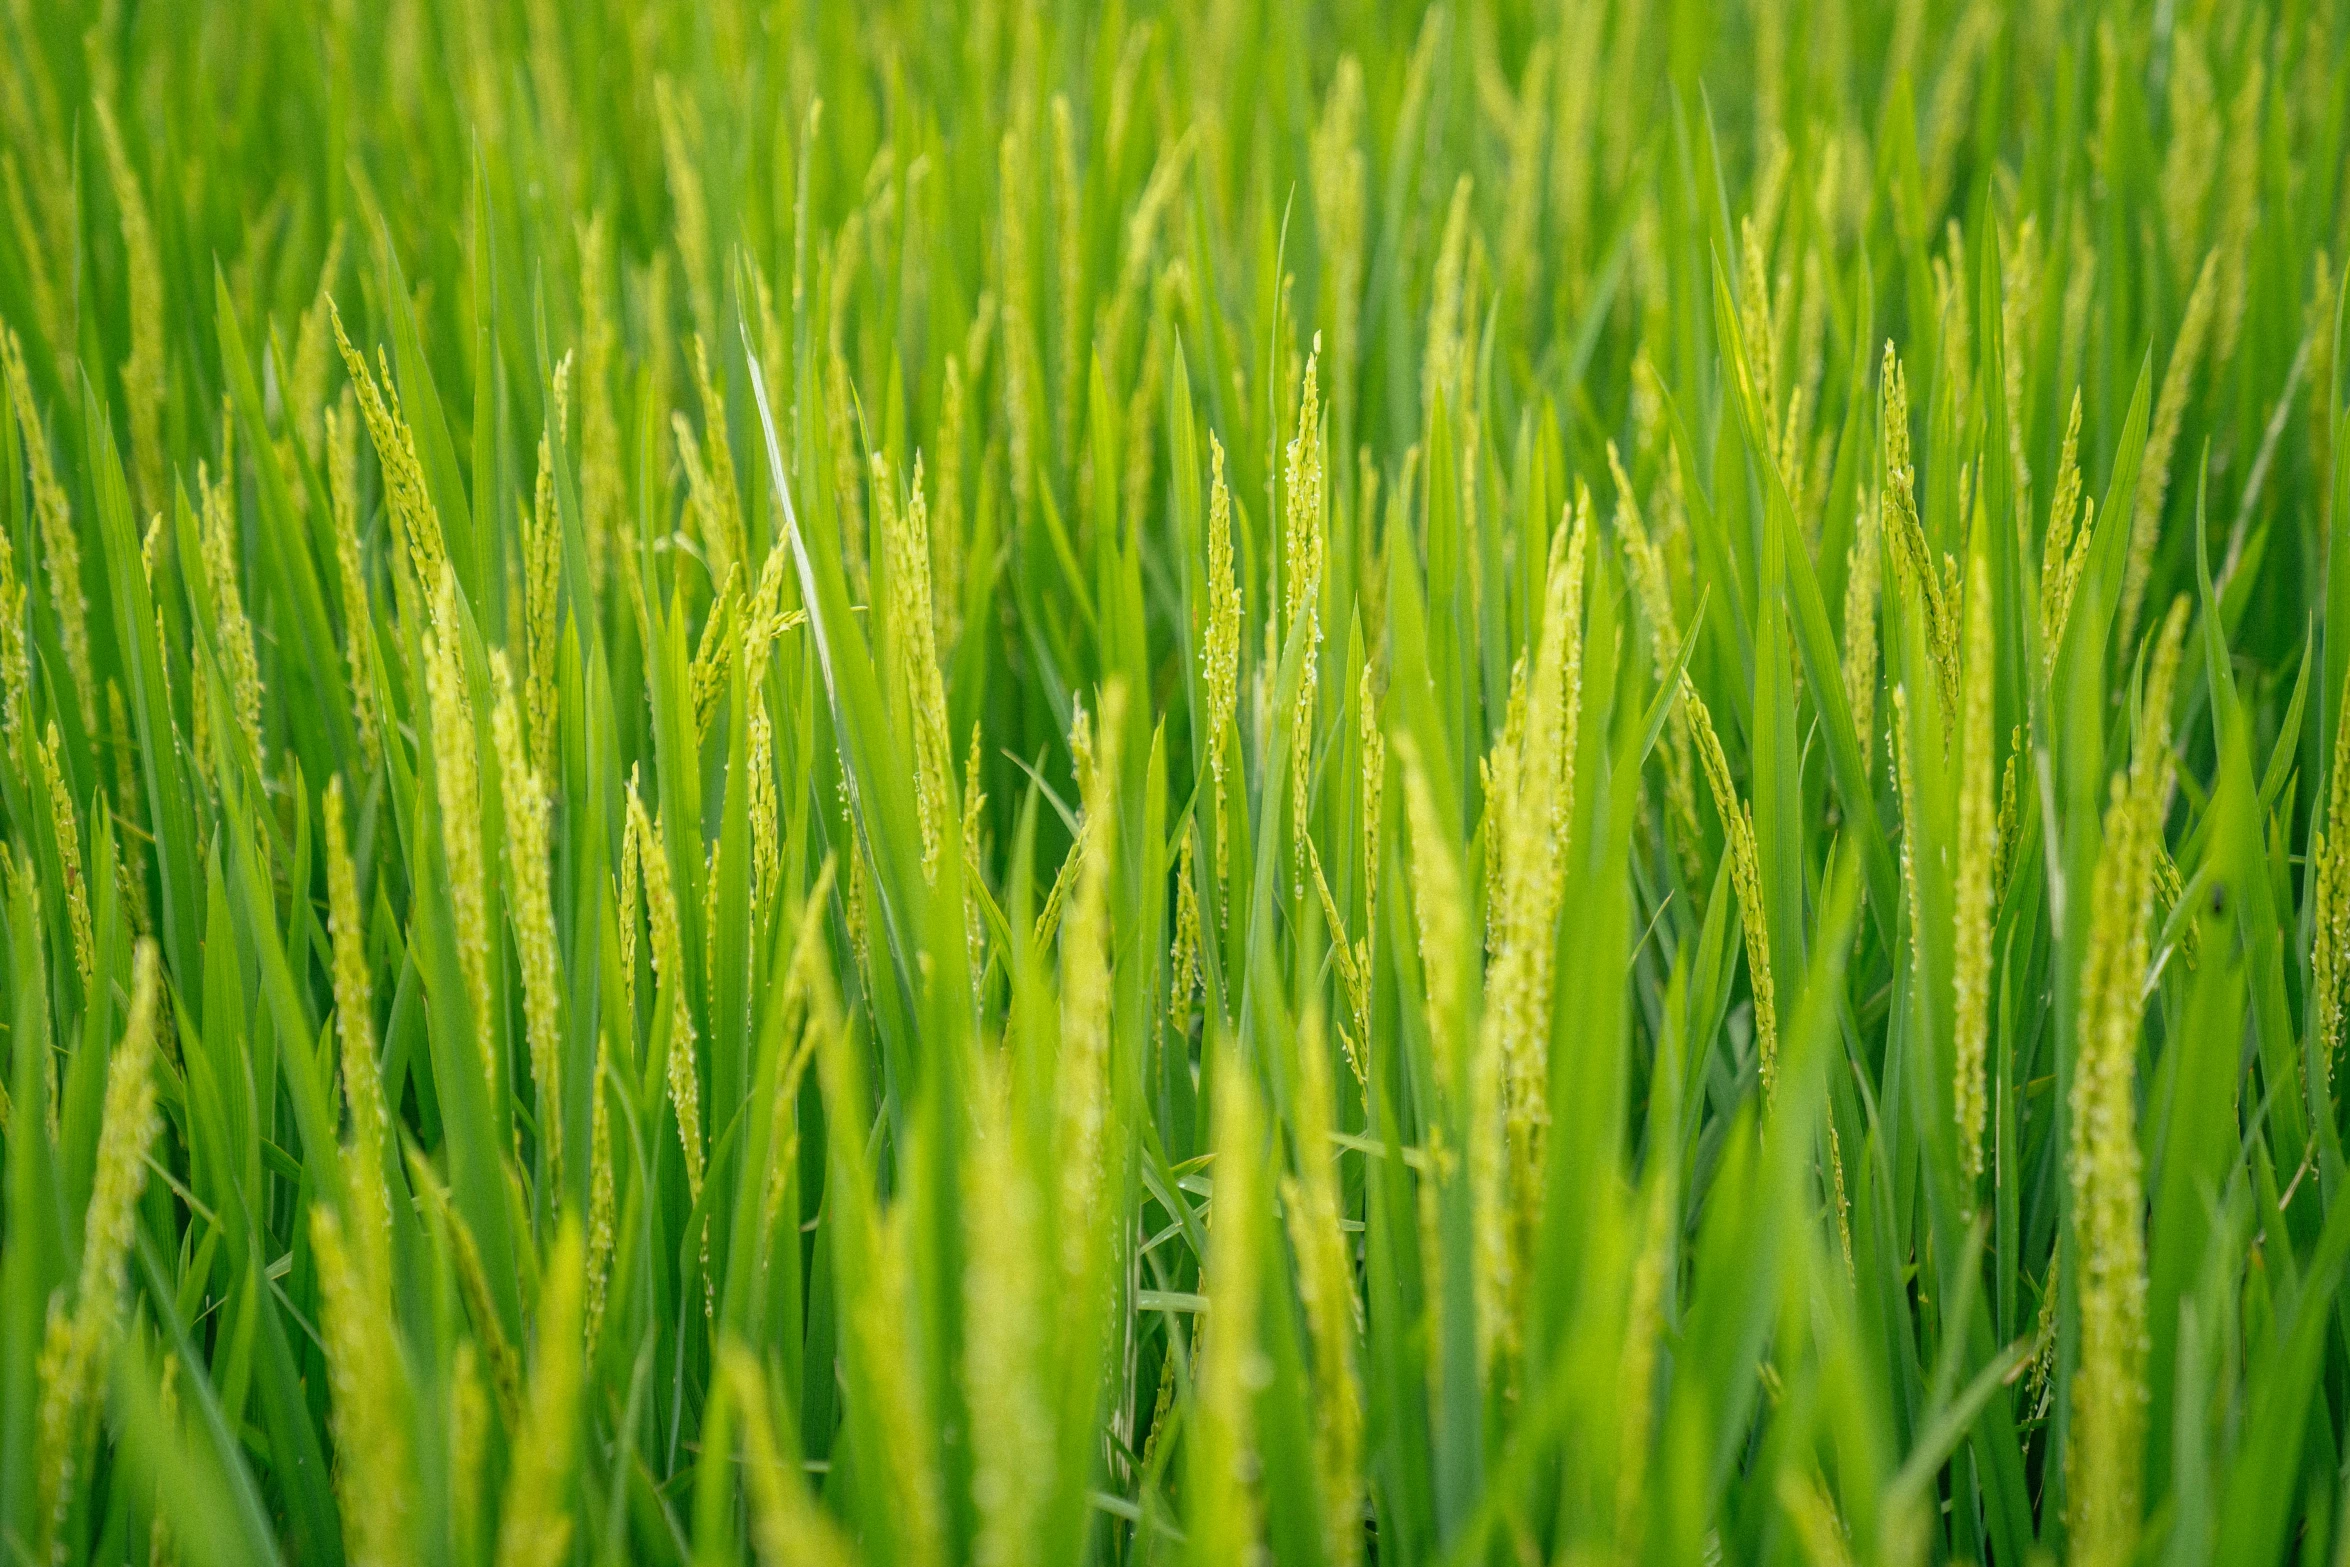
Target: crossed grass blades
(906, 785)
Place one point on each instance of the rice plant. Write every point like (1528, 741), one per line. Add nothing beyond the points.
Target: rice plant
(911, 783)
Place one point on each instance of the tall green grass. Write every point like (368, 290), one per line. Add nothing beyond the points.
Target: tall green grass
(905, 784)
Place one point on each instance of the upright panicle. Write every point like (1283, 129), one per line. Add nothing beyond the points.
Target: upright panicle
(1745, 879)
(1226, 1506)
(407, 499)
(340, 429)
(1304, 548)
(66, 831)
(1083, 1092)
(1311, 1202)
(1652, 585)
(1440, 905)
(683, 1072)
(906, 537)
(788, 1523)
(1978, 854)
(709, 469)
(232, 632)
(1933, 585)
(542, 574)
(143, 374)
(369, 1407)
(73, 1353)
(1863, 579)
(16, 664)
(363, 1091)
(600, 480)
(535, 1523)
(2064, 553)
(60, 543)
(1220, 655)
(457, 786)
(2329, 938)
(2170, 411)
(1006, 1289)
(1529, 829)
(530, 903)
(2105, 1460)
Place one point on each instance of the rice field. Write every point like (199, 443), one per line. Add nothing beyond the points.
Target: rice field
(924, 783)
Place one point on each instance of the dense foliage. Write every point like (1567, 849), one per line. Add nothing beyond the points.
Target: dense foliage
(910, 783)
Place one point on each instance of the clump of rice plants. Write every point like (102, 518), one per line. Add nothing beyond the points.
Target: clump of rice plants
(922, 784)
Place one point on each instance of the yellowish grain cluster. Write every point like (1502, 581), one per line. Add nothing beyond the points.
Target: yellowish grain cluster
(1310, 1202)
(2329, 937)
(2104, 1477)
(2064, 554)
(1220, 650)
(1304, 547)
(373, 1480)
(1745, 880)
(1222, 1460)
(73, 1352)
(232, 631)
(363, 1092)
(407, 499)
(683, 1075)
(457, 786)
(60, 543)
(913, 630)
(530, 902)
(2154, 465)
(1933, 585)
(1978, 855)
(1530, 798)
